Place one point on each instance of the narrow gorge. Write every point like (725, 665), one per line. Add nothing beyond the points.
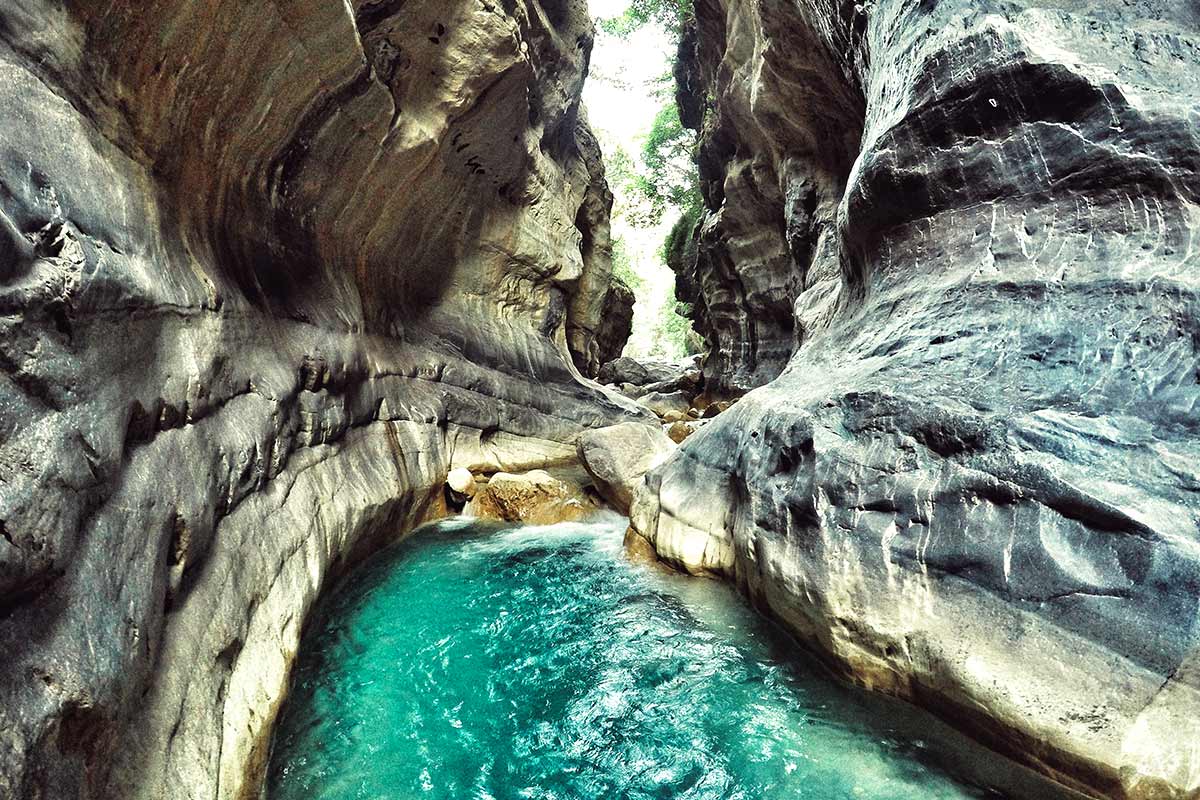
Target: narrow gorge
(283, 280)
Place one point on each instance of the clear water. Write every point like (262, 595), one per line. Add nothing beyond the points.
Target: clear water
(538, 663)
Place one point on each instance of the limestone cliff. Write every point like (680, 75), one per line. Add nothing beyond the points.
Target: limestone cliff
(268, 270)
(976, 484)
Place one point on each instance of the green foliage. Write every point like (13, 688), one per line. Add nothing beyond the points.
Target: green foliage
(622, 267)
(632, 201)
(662, 178)
(678, 249)
(673, 335)
(668, 13)
(667, 151)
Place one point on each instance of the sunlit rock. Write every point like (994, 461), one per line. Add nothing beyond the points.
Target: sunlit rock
(535, 497)
(973, 482)
(269, 271)
(617, 457)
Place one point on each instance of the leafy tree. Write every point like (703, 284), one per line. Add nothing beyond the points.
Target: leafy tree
(668, 13)
(670, 178)
(633, 200)
(622, 267)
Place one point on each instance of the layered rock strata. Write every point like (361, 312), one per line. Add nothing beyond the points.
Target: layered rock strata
(268, 272)
(976, 484)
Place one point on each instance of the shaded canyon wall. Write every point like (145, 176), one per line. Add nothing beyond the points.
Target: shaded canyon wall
(269, 271)
(975, 483)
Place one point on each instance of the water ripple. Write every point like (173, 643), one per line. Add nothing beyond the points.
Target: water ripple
(537, 663)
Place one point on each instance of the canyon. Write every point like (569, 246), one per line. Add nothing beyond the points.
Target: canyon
(955, 246)
(272, 270)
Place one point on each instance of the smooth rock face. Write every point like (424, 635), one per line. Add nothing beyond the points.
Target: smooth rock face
(268, 273)
(639, 373)
(462, 481)
(976, 484)
(619, 456)
(616, 323)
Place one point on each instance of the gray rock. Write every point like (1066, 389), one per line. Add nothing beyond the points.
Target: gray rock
(664, 404)
(975, 485)
(255, 310)
(616, 323)
(642, 373)
(617, 457)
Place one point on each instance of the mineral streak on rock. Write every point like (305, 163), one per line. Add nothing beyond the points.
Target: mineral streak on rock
(976, 484)
(268, 272)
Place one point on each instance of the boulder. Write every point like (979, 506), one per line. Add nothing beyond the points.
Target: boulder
(713, 409)
(461, 481)
(534, 497)
(639, 373)
(616, 322)
(617, 457)
(679, 431)
(663, 404)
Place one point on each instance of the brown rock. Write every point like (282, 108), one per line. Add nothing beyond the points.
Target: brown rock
(663, 404)
(682, 430)
(535, 497)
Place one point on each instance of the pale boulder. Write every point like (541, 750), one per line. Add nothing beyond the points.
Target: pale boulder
(461, 481)
(619, 456)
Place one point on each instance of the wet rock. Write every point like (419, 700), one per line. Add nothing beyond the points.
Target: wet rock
(617, 457)
(974, 484)
(534, 497)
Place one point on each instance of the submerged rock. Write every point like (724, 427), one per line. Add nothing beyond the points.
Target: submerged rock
(975, 484)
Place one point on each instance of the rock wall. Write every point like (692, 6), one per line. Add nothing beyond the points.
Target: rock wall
(976, 484)
(268, 271)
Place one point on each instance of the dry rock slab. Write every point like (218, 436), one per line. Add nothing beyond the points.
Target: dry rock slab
(619, 456)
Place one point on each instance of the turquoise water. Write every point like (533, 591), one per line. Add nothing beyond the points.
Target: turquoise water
(538, 663)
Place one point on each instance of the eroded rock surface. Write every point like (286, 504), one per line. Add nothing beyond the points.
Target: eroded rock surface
(535, 497)
(619, 456)
(976, 483)
(268, 272)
